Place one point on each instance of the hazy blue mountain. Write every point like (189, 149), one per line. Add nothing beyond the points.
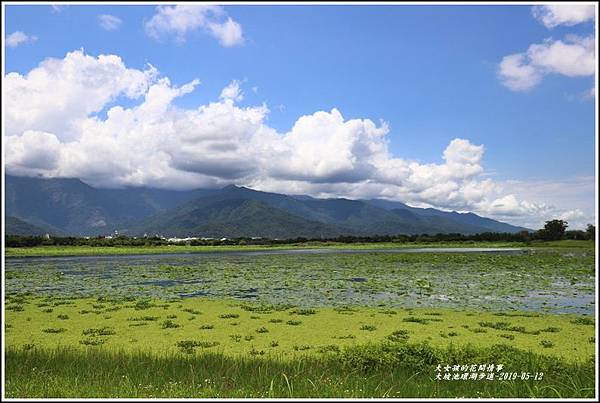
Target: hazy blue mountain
(232, 217)
(16, 226)
(79, 209)
(466, 219)
(73, 207)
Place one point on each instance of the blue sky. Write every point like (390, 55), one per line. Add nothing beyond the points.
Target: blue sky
(430, 72)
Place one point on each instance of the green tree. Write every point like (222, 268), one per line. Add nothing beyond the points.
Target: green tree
(591, 231)
(553, 230)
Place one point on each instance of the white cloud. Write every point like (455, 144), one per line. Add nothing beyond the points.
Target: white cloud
(573, 57)
(57, 8)
(18, 38)
(232, 91)
(517, 74)
(589, 94)
(78, 85)
(228, 33)
(109, 22)
(180, 20)
(157, 144)
(553, 15)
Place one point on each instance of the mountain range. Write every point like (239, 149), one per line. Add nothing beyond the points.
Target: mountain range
(71, 207)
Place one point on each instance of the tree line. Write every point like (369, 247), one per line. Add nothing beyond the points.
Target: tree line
(553, 230)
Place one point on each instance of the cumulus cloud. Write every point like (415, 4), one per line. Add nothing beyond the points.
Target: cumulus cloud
(574, 56)
(553, 15)
(232, 91)
(109, 22)
(18, 38)
(78, 85)
(180, 20)
(154, 143)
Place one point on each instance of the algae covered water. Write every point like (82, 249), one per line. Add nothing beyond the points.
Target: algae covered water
(553, 281)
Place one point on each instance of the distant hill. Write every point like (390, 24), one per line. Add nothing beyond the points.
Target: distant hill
(16, 226)
(451, 218)
(79, 209)
(73, 207)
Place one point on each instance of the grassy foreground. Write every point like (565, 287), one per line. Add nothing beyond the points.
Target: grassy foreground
(386, 370)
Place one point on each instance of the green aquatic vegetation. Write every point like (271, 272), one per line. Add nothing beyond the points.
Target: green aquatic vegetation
(144, 318)
(400, 335)
(300, 311)
(388, 312)
(143, 304)
(229, 316)
(260, 308)
(312, 281)
(583, 321)
(136, 324)
(102, 331)
(189, 346)
(169, 324)
(92, 341)
(54, 330)
(254, 351)
(495, 325)
(330, 348)
(414, 319)
(344, 337)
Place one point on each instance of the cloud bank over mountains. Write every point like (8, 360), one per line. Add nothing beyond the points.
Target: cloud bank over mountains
(86, 132)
